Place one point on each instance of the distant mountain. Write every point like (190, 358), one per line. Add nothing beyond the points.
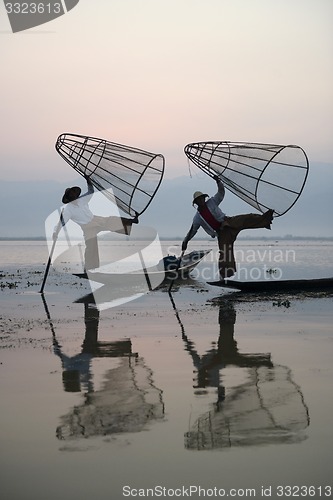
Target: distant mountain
(25, 206)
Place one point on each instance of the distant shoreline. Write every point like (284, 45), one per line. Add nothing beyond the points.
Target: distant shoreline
(178, 238)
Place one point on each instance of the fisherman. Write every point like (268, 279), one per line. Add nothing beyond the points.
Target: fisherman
(211, 218)
(77, 209)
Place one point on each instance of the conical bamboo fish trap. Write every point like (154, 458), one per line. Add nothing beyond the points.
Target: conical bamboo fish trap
(263, 175)
(133, 174)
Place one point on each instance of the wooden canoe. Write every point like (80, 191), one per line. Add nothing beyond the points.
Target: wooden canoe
(276, 285)
(167, 268)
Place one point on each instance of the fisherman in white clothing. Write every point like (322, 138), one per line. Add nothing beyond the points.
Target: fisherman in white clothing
(211, 218)
(77, 209)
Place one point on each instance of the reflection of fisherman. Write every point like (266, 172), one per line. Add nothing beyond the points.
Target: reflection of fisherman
(77, 209)
(216, 223)
(127, 401)
(263, 405)
(209, 365)
(77, 369)
(76, 374)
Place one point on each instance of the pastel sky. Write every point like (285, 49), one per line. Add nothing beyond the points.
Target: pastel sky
(158, 74)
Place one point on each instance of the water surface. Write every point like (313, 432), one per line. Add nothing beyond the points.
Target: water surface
(203, 389)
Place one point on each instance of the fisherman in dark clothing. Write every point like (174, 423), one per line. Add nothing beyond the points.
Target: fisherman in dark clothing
(211, 218)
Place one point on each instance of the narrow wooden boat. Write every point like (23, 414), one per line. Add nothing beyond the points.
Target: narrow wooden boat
(272, 285)
(167, 268)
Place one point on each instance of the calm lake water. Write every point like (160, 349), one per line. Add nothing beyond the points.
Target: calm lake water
(289, 258)
(198, 394)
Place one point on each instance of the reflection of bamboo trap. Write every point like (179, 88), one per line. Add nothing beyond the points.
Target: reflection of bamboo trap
(267, 409)
(127, 402)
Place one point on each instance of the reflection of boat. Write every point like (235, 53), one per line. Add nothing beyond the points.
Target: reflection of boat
(276, 285)
(168, 267)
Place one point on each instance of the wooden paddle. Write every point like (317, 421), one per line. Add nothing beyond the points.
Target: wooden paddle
(56, 232)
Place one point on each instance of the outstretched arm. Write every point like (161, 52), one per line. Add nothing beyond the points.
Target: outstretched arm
(90, 185)
(192, 232)
(218, 197)
(61, 223)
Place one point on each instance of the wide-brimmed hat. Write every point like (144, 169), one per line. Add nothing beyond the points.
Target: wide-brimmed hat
(197, 194)
(71, 194)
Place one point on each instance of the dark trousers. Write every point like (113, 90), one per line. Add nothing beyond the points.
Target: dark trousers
(228, 233)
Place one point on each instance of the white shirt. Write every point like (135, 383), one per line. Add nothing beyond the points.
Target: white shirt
(213, 206)
(78, 210)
